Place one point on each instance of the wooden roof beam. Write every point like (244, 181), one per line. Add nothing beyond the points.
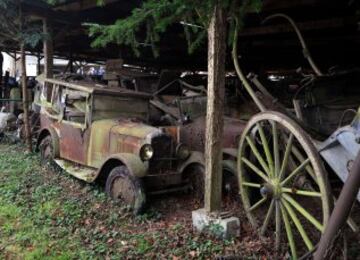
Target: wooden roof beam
(81, 5)
(333, 23)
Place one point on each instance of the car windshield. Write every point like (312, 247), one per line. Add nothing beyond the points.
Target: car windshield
(192, 107)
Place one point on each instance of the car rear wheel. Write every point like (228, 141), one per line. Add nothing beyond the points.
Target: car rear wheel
(121, 186)
(230, 183)
(46, 150)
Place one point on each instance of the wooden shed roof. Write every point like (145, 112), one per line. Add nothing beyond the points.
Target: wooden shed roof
(331, 28)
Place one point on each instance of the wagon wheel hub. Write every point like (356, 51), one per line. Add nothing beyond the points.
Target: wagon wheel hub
(272, 190)
(267, 191)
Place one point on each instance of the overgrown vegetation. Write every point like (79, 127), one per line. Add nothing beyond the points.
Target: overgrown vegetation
(45, 214)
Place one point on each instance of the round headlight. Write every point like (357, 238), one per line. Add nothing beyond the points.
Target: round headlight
(182, 152)
(146, 152)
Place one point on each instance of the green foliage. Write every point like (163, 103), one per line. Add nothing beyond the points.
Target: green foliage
(154, 17)
(46, 214)
(16, 28)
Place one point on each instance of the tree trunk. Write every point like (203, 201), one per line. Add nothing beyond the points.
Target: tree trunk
(25, 100)
(214, 117)
(48, 49)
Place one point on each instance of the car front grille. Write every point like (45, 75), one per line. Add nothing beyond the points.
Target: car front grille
(162, 160)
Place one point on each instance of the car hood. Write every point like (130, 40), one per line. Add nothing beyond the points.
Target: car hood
(126, 127)
(193, 134)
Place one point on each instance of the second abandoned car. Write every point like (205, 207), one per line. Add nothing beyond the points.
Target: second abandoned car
(103, 134)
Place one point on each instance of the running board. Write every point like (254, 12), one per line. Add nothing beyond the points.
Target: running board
(170, 190)
(78, 171)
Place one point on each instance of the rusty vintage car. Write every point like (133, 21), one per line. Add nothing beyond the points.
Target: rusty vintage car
(184, 117)
(104, 134)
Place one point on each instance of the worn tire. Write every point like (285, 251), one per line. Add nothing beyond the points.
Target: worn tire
(230, 183)
(122, 186)
(195, 175)
(46, 150)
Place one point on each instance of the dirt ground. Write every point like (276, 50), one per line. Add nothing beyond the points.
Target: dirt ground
(46, 214)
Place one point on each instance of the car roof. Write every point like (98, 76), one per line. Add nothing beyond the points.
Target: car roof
(93, 88)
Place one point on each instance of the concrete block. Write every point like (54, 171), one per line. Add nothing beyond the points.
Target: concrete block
(223, 227)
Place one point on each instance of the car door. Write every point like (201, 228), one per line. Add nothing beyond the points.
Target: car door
(74, 126)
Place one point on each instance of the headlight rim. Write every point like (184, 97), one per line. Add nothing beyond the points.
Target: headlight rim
(180, 148)
(143, 155)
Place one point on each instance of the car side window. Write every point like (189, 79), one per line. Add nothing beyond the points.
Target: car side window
(74, 107)
(50, 103)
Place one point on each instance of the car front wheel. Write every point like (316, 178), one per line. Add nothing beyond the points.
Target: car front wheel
(121, 186)
(195, 176)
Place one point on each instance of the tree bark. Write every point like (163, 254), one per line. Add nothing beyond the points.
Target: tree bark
(48, 49)
(214, 117)
(25, 100)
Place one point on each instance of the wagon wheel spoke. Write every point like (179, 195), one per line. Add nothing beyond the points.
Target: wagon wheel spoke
(301, 192)
(257, 154)
(286, 156)
(298, 225)
(267, 218)
(304, 212)
(258, 204)
(289, 233)
(303, 165)
(250, 184)
(265, 145)
(255, 169)
(276, 148)
(301, 158)
(277, 225)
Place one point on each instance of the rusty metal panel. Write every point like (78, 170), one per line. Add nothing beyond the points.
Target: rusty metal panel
(116, 136)
(73, 143)
(193, 134)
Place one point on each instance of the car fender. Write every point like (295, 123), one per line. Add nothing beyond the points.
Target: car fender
(54, 137)
(230, 153)
(230, 165)
(195, 157)
(135, 165)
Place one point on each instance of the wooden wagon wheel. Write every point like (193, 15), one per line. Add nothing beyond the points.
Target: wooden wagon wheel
(282, 183)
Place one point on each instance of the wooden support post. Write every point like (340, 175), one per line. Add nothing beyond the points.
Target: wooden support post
(38, 66)
(25, 97)
(1, 74)
(13, 66)
(71, 62)
(1, 66)
(71, 66)
(214, 117)
(48, 49)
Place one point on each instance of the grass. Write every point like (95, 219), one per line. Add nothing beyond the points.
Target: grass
(46, 214)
